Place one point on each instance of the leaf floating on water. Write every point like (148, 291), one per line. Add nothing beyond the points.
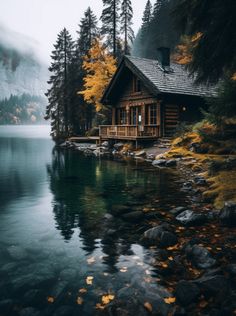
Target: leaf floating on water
(89, 280)
(140, 264)
(105, 274)
(79, 300)
(106, 299)
(50, 299)
(124, 269)
(148, 272)
(148, 306)
(83, 290)
(170, 300)
(171, 258)
(91, 260)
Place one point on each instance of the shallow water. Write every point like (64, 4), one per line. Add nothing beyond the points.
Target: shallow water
(53, 234)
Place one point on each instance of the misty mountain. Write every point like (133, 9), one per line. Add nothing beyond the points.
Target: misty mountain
(21, 73)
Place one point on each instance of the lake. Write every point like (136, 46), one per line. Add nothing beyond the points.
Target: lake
(61, 250)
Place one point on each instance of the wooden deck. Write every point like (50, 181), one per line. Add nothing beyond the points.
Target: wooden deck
(82, 139)
(129, 132)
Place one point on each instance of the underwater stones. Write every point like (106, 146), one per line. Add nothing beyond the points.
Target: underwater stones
(200, 257)
(189, 218)
(161, 235)
(177, 210)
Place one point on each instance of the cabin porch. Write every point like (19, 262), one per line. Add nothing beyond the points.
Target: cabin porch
(129, 132)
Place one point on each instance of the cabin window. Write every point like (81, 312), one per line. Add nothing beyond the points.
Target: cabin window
(133, 115)
(136, 85)
(153, 114)
(122, 116)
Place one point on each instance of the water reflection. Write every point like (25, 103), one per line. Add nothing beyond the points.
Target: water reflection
(86, 190)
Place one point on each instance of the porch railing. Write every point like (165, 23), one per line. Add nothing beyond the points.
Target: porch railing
(109, 131)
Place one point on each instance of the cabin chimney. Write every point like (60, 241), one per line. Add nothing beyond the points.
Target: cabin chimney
(164, 57)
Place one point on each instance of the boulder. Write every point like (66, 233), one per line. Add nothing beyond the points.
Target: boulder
(118, 146)
(159, 163)
(141, 153)
(186, 292)
(154, 233)
(177, 210)
(189, 218)
(168, 239)
(227, 214)
(105, 144)
(200, 257)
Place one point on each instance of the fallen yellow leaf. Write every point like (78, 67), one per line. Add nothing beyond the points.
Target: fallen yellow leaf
(124, 269)
(79, 300)
(170, 300)
(50, 299)
(106, 299)
(148, 306)
(89, 280)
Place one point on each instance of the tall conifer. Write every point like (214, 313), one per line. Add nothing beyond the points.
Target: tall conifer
(126, 24)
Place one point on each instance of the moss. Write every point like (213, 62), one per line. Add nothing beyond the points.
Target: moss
(223, 188)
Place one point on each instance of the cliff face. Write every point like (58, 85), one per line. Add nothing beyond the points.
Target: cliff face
(21, 73)
(23, 80)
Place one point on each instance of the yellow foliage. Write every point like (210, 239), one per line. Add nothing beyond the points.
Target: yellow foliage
(99, 66)
(50, 299)
(79, 300)
(170, 300)
(106, 299)
(89, 280)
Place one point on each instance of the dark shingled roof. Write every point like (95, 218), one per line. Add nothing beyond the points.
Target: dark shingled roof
(175, 80)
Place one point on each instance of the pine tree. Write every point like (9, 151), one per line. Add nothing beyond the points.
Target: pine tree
(110, 24)
(126, 24)
(81, 112)
(146, 19)
(100, 67)
(88, 32)
(58, 94)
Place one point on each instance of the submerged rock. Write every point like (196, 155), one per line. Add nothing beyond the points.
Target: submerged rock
(228, 214)
(177, 210)
(161, 235)
(213, 284)
(141, 153)
(189, 218)
(200, 257)
(186, 292)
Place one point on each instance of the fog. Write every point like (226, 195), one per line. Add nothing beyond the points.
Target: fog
(34, 24)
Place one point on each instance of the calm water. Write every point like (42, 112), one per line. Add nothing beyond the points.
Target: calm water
(53, 234)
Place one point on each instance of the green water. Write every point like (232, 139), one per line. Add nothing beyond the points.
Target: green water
(53, 233)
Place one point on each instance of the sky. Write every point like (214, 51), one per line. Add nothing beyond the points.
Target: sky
(42, 20)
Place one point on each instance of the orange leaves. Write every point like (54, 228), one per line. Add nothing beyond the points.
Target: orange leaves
(100, 67)
(50, 299)
(89, 280)
(170, 300)
(105, 299)
(148, 306)
(83, 291)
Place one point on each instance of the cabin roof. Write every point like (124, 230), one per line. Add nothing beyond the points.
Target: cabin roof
(175, 80)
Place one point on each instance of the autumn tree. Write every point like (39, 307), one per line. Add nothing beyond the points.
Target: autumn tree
(58, 94)
(82, 112)
(110, 24)
(99, 66)
(126, 24)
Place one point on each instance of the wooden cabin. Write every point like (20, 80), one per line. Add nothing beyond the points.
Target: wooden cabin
(149, 99)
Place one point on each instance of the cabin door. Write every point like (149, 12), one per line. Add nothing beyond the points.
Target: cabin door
(170, 119)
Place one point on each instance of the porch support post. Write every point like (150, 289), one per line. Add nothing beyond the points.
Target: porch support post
(113, 116)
